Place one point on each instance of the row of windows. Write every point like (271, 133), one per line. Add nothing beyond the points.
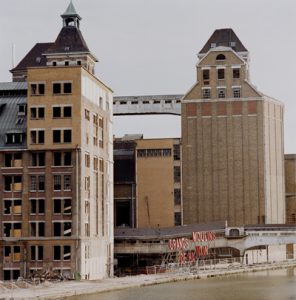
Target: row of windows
(58, 136)
(221, 93)
(154, 152)
(13, 253)
(37, 183)
(38, 112)
(37, 229)
(220, 74)
(38, 89)
(60, 158)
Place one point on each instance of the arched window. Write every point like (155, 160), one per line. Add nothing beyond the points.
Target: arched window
(220, 57)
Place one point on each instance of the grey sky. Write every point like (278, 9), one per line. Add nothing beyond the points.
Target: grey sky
(150, 46)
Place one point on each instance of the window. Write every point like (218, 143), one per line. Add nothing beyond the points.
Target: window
(220, 57)
(177, 174)
(37, 183)
(62, 88)
(67, 111)
(62, 228)
(12, 253)
(67, 183)
(62, 206)
(166, 152)
(36, 252)
(206, 76)
(221, 73)
(236, 93)
(37, 113)
(177, 196)
(13, 160)
(64, 111)
(176, 151)
(22, 109)
(38, 159)
(57, 136)
(236, 73)
(67, 136)
(62, 158)
(178, 219)
(87, 160)
(14, 138)
(37, 228)
(54, 63)
(206, 93)
(12, 207)
(37, 89)
(12, 229)
(62, 252)
(13, 183)
(86, 114)
(56, 112)
(57, 182)
(221, 93)
(37, 136)
(37, 206)
(66, 63)
(57, 88)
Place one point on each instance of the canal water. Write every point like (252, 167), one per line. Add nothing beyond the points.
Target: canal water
(264, 285)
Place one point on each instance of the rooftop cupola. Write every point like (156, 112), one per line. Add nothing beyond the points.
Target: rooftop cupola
(71, 17)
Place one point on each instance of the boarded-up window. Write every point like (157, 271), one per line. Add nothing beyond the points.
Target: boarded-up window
(206, 109)
(237, 108)
(222, 109)
(191, 109)
(252, 107)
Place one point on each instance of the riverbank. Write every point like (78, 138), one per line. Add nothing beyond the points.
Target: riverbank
(61, 290)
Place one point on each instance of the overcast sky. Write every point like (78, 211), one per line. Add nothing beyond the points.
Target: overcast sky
(148, 47)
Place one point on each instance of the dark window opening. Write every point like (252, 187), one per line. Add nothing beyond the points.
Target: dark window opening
(177, 174)
(178, 219)
(67, 136)
(38, 159)
(123, 214)
(236, 73)
(220, 57)
(56, 136)
(68, 88)
(177, 196)
(57, 88)
(56, 112)
(67, 111)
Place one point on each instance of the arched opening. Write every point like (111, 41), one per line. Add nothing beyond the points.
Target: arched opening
(220, 57)
(70, 22)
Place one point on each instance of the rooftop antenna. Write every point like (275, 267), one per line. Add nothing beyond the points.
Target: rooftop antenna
(13, 55)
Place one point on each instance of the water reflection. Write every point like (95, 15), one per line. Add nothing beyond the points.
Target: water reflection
(267, 285)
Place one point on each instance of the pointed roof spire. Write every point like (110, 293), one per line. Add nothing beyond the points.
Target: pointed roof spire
(70, 11)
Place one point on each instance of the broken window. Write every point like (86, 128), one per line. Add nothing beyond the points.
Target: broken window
(57, 182)
(13, 160)
(177, 196)
(62, 228)
(13, 183)
(12, 254)
(12, 207)
(206, 93)
(176, 151)
(12, 229)
(62, 252)
(178, 220)
(67, 182)
(221, 93)
(11, 274)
